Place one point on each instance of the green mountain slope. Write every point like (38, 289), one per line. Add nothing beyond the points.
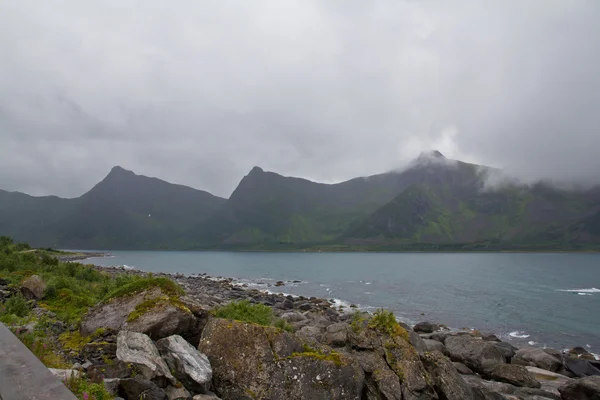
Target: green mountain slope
(435, 203)
(465, 212)
(270, 208)
(124, 210)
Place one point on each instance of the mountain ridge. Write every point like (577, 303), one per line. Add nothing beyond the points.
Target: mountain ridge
(433, 202)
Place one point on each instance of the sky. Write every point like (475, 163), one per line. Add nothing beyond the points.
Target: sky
(199, 92)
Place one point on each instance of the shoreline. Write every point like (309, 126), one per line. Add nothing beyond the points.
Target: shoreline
(343, 307)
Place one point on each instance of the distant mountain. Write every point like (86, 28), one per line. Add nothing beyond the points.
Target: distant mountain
(124, 210)
(457, 208)
(434, 203)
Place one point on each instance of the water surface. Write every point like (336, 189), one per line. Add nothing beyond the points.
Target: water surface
(549, 299)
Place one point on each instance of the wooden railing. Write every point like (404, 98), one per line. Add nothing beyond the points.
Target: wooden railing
(23, 376)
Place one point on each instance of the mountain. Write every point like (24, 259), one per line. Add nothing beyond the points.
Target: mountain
(434, 203)
(459, 209)
(124, 210)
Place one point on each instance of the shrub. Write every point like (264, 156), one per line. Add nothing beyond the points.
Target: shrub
(283, 325)
(385, 322)
(246, 312)
(16, 305)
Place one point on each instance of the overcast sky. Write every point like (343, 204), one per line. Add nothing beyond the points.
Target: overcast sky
(198, 92)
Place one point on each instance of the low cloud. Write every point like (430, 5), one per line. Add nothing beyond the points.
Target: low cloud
(198, 93)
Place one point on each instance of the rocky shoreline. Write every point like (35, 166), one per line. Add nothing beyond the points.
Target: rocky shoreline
(485, 363)
(164, 343)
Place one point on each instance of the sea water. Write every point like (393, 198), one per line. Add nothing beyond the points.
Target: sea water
(536, 299)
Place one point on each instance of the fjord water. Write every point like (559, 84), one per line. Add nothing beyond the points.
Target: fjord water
(549, 299)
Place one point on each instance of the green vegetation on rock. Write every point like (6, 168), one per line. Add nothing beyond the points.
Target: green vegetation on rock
(245, 311)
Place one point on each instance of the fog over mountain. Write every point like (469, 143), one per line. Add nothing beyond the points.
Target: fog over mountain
(199, 93)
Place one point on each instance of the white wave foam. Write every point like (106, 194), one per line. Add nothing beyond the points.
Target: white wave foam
(586, 290)
(532, 343)
(585, 294)
(518, 335)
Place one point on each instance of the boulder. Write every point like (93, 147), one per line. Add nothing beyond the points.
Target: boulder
(252, 361)
(536, 358)
(380, 381)
(65, 374)
(111, 385)
(309, 332)
(434, 345)
(490, 337)
(536, 394)
(489, 390)
(177, 393)
(140, 388)
(33, 288)
(587, 388)
(581, 352)
(138, 350)
(447, 382)
(425, 327)
(479, 355)
(507, 349)
(335, 335)
(581, 367)
(187, 364)
(462, 368)
(164, 318)
(208, 396)
(514, 374)
(113, 315)
(550, 381)
(293, 316)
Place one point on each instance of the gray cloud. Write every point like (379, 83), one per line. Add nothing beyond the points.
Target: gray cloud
(198, 93)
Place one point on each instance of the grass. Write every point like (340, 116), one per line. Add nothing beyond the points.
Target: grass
(85, 389)
(167, 286)
(148, 305)
(317, 354)
(42, 349)
(385, 322)
(245, 311)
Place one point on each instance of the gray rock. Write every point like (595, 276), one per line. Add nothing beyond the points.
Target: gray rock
(33, 288)
(140, 388)
(536, 358)
(425, 327)
(287, 304)
(293, 316)
(479, 355)
(65, 374)
(309, 332)
(550, 381)
(447, 381)
(514, 374)
(335, 335)
(462, 368)
(111, 385)
(475, 381)
(208, 396)
(434, 345)
(507, 349)
(273, 364)
(587, 388)
(581, 367)
(163, 320)
(113, 315)
(490, 337)
(380, 381)
(138, 350)
(177, 393)
(189, 366)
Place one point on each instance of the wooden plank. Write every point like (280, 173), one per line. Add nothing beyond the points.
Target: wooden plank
(23, 376)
